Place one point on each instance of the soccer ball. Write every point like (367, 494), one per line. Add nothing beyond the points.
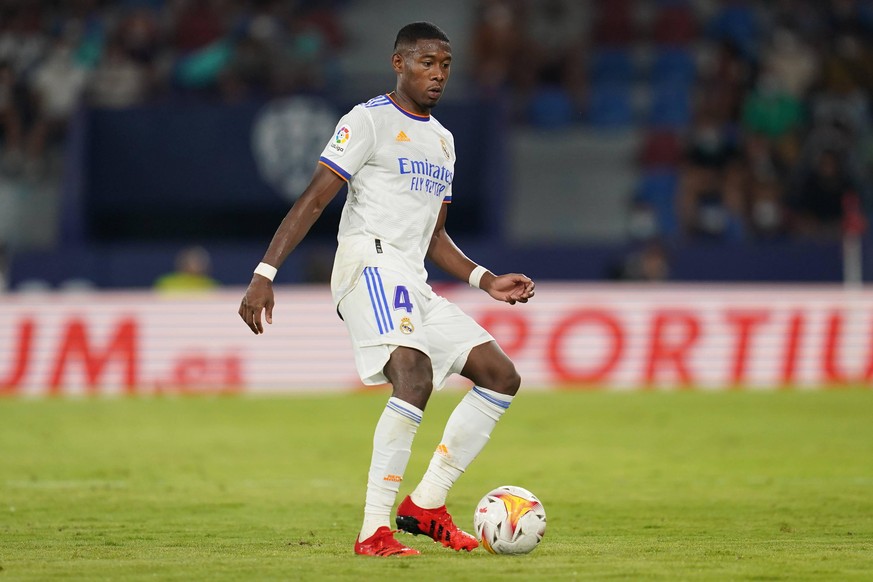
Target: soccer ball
(509, 520)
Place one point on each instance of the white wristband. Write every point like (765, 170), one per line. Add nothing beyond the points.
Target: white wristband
(265, 270)
(476, 276)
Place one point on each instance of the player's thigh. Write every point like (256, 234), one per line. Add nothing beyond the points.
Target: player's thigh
(451, 335)
(381, 313)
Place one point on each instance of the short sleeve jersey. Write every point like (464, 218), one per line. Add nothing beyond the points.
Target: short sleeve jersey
(399, 168)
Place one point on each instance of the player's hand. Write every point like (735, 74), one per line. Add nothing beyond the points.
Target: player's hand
(512, 288)
(258, 298)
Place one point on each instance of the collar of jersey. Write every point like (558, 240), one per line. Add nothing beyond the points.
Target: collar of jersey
(409, 114)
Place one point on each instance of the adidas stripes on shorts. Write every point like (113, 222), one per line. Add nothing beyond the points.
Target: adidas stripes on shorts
(382, 312)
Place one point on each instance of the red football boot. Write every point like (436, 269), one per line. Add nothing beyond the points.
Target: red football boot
(383, 544)
(436, 524)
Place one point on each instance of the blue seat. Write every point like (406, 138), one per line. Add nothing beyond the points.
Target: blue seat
(551, 107)
(736, 23)
(670, 106)
(657, 188)
(613, 65)
(674, 65)
(610, 106)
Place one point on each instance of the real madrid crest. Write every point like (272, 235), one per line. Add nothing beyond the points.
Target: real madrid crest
(406, 326)
(445, 147)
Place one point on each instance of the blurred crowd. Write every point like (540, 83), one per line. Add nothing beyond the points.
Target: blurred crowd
(755, 115)
(56, 54)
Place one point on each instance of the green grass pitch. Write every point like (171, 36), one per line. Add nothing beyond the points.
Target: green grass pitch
(645, 485)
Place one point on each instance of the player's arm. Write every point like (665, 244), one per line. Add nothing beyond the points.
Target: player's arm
(259, 296)
(443, 251)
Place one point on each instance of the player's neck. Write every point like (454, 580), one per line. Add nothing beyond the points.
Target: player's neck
(409, 105)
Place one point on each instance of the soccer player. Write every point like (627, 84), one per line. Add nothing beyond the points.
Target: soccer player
(398, 162)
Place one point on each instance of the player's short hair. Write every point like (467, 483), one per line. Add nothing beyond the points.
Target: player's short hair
(415, 31)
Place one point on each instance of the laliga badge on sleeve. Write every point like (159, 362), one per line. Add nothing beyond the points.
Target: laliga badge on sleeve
(341, 139)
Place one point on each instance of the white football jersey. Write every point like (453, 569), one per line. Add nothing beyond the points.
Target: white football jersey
(399, 167)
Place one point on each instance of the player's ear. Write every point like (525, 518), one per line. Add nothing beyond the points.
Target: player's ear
(397, 62)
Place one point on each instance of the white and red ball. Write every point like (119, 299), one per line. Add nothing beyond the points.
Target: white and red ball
(509, 520)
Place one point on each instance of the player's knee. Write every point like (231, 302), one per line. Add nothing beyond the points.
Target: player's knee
(505, 380)
(422, 386)
(415, 389)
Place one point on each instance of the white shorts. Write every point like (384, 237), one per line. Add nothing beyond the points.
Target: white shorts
(382, 312)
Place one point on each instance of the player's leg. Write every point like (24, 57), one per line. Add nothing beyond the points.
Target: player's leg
(467, 430)
(410, 374)
(489, 367)
(386, 350)
(469, 427)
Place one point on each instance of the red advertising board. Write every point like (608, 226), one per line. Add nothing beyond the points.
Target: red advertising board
(569, 336)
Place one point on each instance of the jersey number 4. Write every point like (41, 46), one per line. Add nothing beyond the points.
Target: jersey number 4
(401, 299)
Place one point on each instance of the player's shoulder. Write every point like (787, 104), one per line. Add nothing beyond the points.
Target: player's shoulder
(441, 129)
(376, 102)
(373, 109)
(437, 125)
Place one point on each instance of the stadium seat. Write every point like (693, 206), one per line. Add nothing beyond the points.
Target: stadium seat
(657, 188)
(675, 25)
(670, 106)
(610, 106)
(551, 107)
(661, 149)
(674, 65)
(611, 65)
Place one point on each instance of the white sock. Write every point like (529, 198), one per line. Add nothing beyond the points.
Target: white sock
(392, 445)
(467, 432)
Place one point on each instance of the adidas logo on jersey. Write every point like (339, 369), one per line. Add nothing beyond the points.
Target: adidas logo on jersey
(402, 137)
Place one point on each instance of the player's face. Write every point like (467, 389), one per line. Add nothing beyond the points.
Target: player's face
(422, 73)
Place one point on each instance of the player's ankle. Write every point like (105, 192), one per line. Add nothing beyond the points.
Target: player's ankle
(428, 497)
(371, 524)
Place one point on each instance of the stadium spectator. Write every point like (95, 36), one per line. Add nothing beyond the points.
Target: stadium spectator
(649, 262)
(555, 33)
(56, 86)
(768, 218)
(792, 62)
(772, 110)
(817, 195)
(711, 203)
(777, 84)
(725, 77)
(192, 273)
(139, 32)
(306, 55)
(23, 38)
(249, 69)
(119, 80)
(11, 122)
(197, 24)
(498, 47)
(711, 143)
